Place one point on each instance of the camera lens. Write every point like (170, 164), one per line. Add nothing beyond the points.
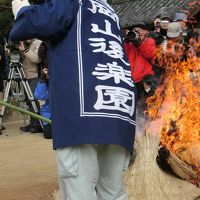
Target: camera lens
(157, 23)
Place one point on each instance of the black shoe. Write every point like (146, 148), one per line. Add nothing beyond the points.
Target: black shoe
(35, 129)
(3, 128)
(25, 128)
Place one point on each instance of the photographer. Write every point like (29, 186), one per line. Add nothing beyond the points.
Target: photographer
(42, 93)
(2, 66)
(42, 90)
(140, 50)
(161, 24)
(29, 50)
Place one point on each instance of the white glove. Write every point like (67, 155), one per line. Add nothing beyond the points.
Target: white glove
(17, 5)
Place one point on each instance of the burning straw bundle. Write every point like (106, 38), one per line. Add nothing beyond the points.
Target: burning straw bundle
(175, 125)
(182, 169)
(176, 106)
(146, 181)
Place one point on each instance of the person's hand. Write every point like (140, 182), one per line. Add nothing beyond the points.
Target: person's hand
(17, 5)
(143, 35)
(133, 36)
(21, 46)
(45, 71)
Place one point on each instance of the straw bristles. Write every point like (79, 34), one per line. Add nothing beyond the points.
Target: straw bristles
(56, 195)
(146, 181)
(183, 170)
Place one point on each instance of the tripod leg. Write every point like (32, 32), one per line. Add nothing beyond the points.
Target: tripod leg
(6, 94)
(29, 92)
(31, 99)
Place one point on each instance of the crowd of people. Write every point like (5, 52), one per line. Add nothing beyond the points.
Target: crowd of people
(33, 56)
(170, 38)
(113, 112)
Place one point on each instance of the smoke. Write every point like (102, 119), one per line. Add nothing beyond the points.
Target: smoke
(141, 118)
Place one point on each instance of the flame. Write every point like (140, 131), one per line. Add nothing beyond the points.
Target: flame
(176, 106)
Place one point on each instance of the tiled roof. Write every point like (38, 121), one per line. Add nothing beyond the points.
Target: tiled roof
(130, 11)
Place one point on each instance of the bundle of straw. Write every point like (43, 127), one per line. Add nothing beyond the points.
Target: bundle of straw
(146, 181)
(182, 169)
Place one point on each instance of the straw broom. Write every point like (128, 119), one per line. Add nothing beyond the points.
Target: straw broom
(146, 181)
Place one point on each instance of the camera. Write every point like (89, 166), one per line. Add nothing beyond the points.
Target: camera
(157, 22)
(134, 37)
(14, 51)
(14, 57)
(131, 36)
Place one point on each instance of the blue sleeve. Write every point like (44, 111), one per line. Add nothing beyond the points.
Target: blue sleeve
(48, 21)
(41, 91)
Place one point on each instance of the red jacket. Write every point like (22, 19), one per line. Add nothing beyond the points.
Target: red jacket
(140, 58)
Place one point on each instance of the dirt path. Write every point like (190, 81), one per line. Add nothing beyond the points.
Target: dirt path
(28, 166)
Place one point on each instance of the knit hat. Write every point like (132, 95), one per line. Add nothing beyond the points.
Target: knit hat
(174, 30)
(164, 15)
(180, 16)
(142, 25)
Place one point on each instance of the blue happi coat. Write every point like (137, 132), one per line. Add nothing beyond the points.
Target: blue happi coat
(91, 91)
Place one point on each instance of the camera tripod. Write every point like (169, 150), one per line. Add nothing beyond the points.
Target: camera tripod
(17, 79)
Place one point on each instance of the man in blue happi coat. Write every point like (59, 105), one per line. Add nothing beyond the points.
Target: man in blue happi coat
(91, 93)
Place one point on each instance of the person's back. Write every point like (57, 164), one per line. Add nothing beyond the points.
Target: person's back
(95, 48)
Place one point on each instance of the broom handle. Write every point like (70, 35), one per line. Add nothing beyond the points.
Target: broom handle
(34, 115)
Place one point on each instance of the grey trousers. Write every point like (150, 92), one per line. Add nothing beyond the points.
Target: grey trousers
(92, 172)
